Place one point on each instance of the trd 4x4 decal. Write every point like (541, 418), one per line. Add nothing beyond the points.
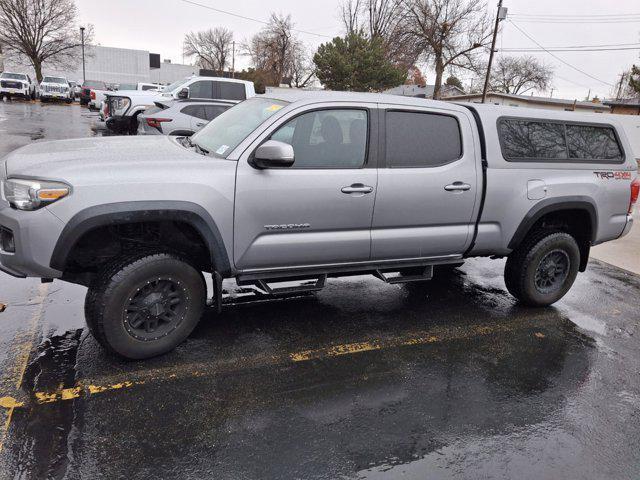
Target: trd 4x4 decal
(613, 175)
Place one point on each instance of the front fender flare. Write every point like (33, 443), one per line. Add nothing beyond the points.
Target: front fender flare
(142, 211)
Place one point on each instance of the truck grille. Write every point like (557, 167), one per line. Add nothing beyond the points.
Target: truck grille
(55, 88)
(5, 84)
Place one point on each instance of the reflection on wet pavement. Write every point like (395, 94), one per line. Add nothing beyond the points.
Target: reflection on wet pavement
(447, 379)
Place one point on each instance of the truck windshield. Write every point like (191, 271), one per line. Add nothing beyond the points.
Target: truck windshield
(94, 84)
(226, 131)
(175, 85)
(13, 76)
(54, 80)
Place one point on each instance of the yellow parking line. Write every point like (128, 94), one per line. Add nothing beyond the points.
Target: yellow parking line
(24, 343)
(438, 334)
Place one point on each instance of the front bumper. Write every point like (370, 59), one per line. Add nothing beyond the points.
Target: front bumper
(14, 92)
(34, 235)
(55, 95)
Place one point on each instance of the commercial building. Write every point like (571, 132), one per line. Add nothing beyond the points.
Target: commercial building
(116, 65)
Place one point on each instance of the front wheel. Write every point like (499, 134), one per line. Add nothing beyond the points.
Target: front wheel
(145, 306)
(542, 270)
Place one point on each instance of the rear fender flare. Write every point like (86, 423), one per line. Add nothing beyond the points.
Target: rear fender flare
(551, 205)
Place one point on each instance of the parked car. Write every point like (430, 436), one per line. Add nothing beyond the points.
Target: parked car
(77, 90)
(310, 185)
(87, 87)
(180, 117)
(125, 106)
(55, 88)
(72, 89)
(17, 85)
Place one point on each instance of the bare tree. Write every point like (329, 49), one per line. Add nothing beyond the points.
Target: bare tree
(276, 51)
(41, 31)
(518, 75)
(379, 19)
(446, 33)
(302, 67)
(212, 47)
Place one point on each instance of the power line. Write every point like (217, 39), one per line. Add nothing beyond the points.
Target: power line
(555, 56)
(237, 15)
(577, 21)
(544, 15)
(533, 50)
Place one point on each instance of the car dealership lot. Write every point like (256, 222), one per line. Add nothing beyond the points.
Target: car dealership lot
(450, 379)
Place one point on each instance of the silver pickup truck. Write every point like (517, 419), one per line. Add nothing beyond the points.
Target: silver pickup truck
(303, 186)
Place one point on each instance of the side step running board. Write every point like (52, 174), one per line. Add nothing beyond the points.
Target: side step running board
(426, 274)
(302, 288)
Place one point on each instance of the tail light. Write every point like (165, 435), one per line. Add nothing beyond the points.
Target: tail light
(635, 190)
(92, 95)
(157, 122)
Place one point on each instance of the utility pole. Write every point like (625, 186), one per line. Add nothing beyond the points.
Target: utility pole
(84, 75)
(619, 94)
(233, 59)
(501, 15)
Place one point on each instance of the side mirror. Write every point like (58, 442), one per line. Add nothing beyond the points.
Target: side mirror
(184, 93)
(273, 154)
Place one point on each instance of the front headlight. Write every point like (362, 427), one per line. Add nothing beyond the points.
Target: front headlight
(32, 194)
(119, 105)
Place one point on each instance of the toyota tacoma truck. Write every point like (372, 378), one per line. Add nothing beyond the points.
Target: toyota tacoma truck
(304, 186)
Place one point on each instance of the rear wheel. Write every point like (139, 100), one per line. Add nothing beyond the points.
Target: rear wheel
(542, 270)
(144, 306)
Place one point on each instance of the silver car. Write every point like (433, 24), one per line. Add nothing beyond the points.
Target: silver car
(180, 117)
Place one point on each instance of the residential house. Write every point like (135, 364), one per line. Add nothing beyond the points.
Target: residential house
(534, 102)
(424, 91)
(624, 106)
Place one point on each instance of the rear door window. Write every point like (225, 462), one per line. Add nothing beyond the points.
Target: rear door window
(231, 91)
(197, 111)
(590, 142)
(201, 89)
(416, 139)
(212, 111)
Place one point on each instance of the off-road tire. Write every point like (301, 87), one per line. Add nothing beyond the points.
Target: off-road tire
(111, 292)
(524, 261)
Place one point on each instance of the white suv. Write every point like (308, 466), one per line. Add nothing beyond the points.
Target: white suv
(55, 88)
(123, 107)
(17, 85)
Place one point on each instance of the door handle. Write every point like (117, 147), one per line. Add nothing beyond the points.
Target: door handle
(457, 187)
(357, 188)
(201, 124)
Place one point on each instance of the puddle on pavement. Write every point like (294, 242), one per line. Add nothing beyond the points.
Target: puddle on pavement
(45, 454)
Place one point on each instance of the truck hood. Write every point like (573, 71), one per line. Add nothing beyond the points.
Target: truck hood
(88, 157)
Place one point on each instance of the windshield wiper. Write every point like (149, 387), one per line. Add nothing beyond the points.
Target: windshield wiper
(198, 148)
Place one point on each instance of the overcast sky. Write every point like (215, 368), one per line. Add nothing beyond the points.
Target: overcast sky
(160, 26)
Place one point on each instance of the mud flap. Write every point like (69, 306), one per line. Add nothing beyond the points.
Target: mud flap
(217, 291)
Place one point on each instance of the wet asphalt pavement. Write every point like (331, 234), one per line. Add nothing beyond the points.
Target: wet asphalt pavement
(365, 380)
